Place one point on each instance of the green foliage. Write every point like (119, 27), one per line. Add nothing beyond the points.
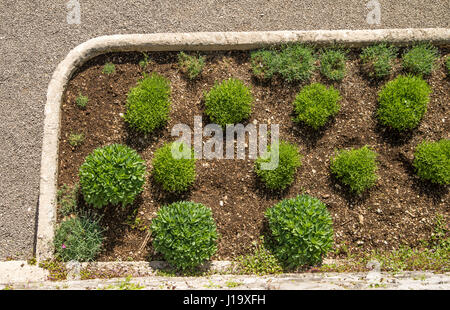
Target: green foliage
(302, 230)
(109, 68)
(447, 65)
(78, 239)
(403, 102)
(148, 104)
(294, 62)
(355, 168)
(81, 101)
(229, 102)
(315, 104)
(190, 65)
(112, 174)
(76, 139)
(263, 64)
(56, 269)
(332, 64)
(174, 174)
(185, 233)
(420, 59)
(143, 63)
(377, 60)
(67, 199)
(432, 161)
(283, 175)
(260, 262)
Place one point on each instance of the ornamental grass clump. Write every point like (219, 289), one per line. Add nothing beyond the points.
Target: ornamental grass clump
(284, 173)
(355, 168)
(114, 174)
(420, 59)
(377, 60)
(403, 102)
(332, 64)
(432, 161)
(315, 104)
(174, 173)
(229, 102)
(185, 233)
(302, 231)
(78, 238)
(191, 66)
(148, 104)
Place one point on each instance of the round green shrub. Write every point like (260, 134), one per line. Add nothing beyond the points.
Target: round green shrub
(288, 163)
(403, 102)
(420, 59)
(229, 102)
(432, 161)
(185, 233)
(302, 230)
(315, 104)
(111, 175)
(78, 239)
(355, 168)
(174, 174)
(332, 64)
(295, 63)
(148, 104)
(377, 60)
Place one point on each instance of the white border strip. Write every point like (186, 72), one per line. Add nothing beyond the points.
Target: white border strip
(174, 42)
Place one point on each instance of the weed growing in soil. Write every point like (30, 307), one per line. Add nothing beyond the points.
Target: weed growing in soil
(191, 66)
(67, 199)
(174, 175)
(377, 60)
(76, 139)
(282, 176)
(332, 64)
(420, 59)
(315, 104)
(403, 102)
(263, 64)
(81, 101)
(143, 63)
(148, 104)
(355, 168)
(432, 161)
(78, 238)
(114, 174)
(185, 233)
(260, 262)
(109, 68)
(302, 230)
(229, 102)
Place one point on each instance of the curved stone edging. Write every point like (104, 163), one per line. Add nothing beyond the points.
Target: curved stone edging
(174, 42)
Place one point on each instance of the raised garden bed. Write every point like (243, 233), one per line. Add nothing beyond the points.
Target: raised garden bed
(399, 210)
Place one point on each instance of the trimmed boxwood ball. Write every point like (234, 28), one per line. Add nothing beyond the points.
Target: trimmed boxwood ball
(403, 102)
(377, 60)
(332, 64)
(174, 174)
(432, 161)
(315, 104)
(302, 230)
(78, 239)
(283, 175)
(185, 233)
(355, 168)
(229, 102)
(148, 104)
(420, 59)
(114, 174)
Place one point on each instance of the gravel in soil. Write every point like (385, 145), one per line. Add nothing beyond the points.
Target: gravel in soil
(400, 209)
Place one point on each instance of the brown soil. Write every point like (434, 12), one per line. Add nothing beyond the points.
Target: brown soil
(400, 209)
